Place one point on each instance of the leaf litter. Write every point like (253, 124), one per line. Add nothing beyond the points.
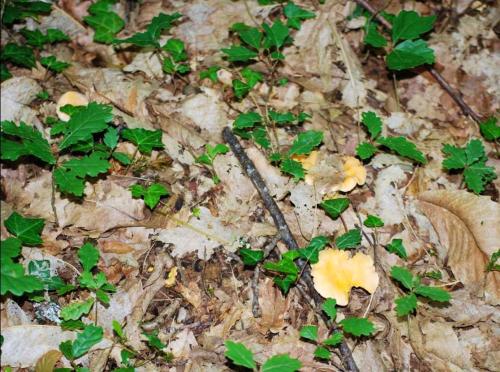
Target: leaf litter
(209, 211)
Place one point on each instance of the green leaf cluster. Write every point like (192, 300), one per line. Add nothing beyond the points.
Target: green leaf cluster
(151, 194)
(210, 73)
(241, 356)
(296, 15)
(249, 79)
(304, 144)
(471, 160)
(490, 129)
(400, 145)
(396, 246)
(211, 152)
(408, 50)
(51, 63)
(250, 125)
(104, 21)
(18, 55)
(407, 304)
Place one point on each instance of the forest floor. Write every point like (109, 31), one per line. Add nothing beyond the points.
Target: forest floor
(187, 270)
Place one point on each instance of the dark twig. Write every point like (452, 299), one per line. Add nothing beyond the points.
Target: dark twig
(284, 232)
(454, 93)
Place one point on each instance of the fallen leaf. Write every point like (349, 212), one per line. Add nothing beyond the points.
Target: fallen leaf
(468, 229)
(47, 361)
(273, 306)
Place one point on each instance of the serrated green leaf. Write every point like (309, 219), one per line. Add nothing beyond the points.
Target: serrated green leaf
(90, 336)
(373, 221)
(85, 122)
(293, 168)
(210, 73)
(357, 326)
(372, 122)
(251, 36)
(281, 363)
(251, 77)
(309, 332)
(28, 142)
(410, 54)
(53, 64)
(105, 23)
(322, 353)
(408, 25)
(89, 256)
(4, 72)
(276, 35)
(306, 142)
(373, 37)
(311, 252)
(238, 53)
(247, 120)
(145, 140)
(365, 150)
(10, 248)
(76, 310)
(19, 55)
(335, 207)
(403, 147)
(334, 339)
(281, 118)
(490, 129)
(111, 137)
(251, 257)
(474, 151)
(330, 308)
(91, 165)
(406, 305)
(68, 182)
(349, 240)
(150, 37)
(296, 15)
(396, 246)
(28, 230)
(239, 354)
(240, 88)
(433, 293)
(122, 158)
(259, 135)
(456, 158)
(151, 194)
(177, 49)
(404, 276)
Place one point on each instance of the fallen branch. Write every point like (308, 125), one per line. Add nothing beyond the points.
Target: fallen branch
(285, 234)
(454, 93)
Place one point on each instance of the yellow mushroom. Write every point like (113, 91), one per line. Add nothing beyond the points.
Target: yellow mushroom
(308, 162)
(336, 273)
(354, 174)
(70, 98)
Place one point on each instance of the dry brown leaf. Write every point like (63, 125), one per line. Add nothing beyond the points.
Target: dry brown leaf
(274, 308)
(47, 361)
(468, 227)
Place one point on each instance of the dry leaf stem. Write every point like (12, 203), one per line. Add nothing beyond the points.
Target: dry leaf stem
(454, 93)
(285, 233)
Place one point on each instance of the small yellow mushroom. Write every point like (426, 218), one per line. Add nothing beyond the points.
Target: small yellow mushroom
(308, 162)
(335, 274)
(70, 98)
(354, 174)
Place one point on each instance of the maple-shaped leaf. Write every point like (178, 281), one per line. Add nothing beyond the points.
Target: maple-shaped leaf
(410, 54)
(351, 239)
(105, 22)
(296, 15)
(90, 336)
(89, 256)
(335, 207)
(176, 48)
(311, 252)
(91, 165)
(53, 64)
(145, 140)
(251, 257)
(238, 53)
(28, 230)
(276, 35)
(69, 182)
(77, 309)
(251, 36)
(153, 31)
(151, 194)
(409, 25)
(25, 141)
(85, 122)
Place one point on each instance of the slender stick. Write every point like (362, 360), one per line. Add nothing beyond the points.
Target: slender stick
(454, 93)
(284, 232)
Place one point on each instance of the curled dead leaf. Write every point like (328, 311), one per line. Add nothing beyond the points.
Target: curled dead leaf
(468, 227)
(47, 361)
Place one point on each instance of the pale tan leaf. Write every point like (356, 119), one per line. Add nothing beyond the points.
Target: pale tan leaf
(468, 227)
(274, 307)
(47, 361)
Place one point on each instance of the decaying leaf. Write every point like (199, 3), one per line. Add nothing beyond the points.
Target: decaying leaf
(468, 229)
(47, 361)
(273, 306)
